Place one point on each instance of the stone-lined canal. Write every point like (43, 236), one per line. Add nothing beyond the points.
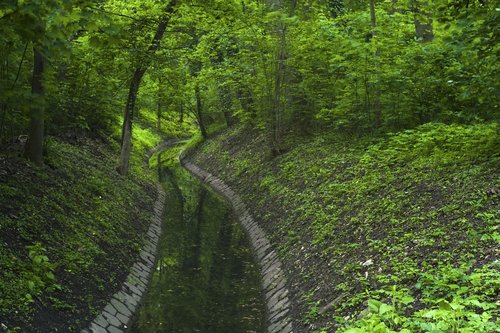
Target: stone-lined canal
(206, 279)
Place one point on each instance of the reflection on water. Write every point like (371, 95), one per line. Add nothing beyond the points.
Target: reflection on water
(206, 280)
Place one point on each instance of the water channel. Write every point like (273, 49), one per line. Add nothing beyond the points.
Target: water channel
(206, 279)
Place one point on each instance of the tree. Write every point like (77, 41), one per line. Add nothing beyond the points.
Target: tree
(376, 98)
(126, 141)
(423, 21)
(34, 145)
(44, 24)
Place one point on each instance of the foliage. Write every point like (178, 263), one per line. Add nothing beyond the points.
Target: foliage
(63, 228)
(407, 220)
(333, 73)
(468, 307)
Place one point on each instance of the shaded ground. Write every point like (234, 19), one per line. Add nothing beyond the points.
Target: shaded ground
(69, 232)
(407, 221)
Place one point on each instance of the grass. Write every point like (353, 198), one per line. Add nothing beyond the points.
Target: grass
(409, 220)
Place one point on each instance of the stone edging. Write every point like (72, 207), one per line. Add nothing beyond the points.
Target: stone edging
(117, 314)
(273, 276)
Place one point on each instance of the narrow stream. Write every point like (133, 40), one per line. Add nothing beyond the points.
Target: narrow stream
(206, 278)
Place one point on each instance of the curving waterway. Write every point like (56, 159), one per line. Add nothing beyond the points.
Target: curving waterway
(206, 279)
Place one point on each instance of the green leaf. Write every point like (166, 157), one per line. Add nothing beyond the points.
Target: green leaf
(28, 297)
(430, 314)
(374, 305)
(444, 305)
(406, 300)
(384, 308)
(37, 259)
(443, 326)
(31, 285)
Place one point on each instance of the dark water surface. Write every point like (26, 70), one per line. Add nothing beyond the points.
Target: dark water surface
(206, 278)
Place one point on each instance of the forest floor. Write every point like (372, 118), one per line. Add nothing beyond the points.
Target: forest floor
(386, 234)
(69, 233)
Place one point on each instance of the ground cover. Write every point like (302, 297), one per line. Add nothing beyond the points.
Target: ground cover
(69, 232)
(379, 234)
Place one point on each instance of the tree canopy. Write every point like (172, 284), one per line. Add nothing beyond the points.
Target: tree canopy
(301, 66)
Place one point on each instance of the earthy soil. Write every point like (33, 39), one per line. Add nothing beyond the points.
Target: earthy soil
(82, 294)
(314, 271)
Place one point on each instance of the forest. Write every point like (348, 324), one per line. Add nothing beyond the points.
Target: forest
(363, 136)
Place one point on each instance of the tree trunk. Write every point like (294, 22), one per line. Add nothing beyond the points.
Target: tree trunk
(376, 99)
(128, 115)
(181, 113)
(423, 22)
(247, 103)
(126, 143)
(158, 117)
(34, 146)
(199, 112)
(226, 104)
(159, 105)
(280, 75)
(395, 8)
(277, 107)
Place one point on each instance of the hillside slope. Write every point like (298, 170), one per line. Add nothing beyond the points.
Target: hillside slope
(393, 234)
(69, 233)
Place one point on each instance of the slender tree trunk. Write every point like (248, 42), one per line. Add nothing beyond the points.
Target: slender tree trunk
(159, 105)
(279, 95)
(181, 113)
(247, 103)
(394, 7)
(126, 143)
(277, 107)
(158, 117)
(199, 112)
(128, 115)
(423, 22)
(229, 118)
(34, 146)
(376, 99)
(226, 104)
(3, 104)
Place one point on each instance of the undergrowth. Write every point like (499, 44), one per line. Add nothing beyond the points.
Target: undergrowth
(68, 233)
(400, 231)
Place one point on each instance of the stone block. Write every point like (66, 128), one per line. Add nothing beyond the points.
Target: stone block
(110, 309)
(115, 330)
(278, 284)
(111, 319)
(279, 326)
(121, 308)
(101, 321)
(282, 305)
(95, 328)
(123, 319)
(278, 316)
(287, 329)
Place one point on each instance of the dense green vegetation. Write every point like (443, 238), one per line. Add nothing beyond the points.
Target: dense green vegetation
(405, 225)
(70, 229)
(69, 232)
(366, 131)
